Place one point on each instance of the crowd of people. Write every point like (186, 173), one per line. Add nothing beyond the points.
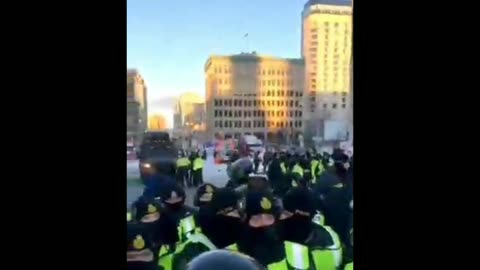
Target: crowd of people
(296, 215)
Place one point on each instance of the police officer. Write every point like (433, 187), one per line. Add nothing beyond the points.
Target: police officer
(140, 255)
(204, 195)
(223, 260)
(183, 166)
(146, 210)
(197, 170)
(184, 237)
(316, 167)
(258, 182)
(277, 175)
(308, 245)
(260, 238)
(220, 220)
(333, 197)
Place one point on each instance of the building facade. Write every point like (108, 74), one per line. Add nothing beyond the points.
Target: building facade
(157, 122)
(327, 50)
(189, 116)
(252, 94)
(137, 113)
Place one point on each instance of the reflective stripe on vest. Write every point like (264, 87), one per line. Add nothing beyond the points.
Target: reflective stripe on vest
(297, 255)
(284, 169)
(349, 266)
(297, 169)
(337, 245)
(197, 164)
(186, 227)
(319, 219)
(281, 265)
(183, 162)
(196, 238)
(314, 165)
(232, 247)
(324, 259)
(165, 258)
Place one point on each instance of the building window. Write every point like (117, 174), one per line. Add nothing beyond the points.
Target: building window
(220, 113)
(334, 105)
(269, 94)
(324, 106)
(215, 102)
(296, 103)
(299, 123)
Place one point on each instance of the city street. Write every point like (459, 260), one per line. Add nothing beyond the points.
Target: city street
(212, 173)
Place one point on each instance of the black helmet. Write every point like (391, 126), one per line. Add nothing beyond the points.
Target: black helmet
(204, 194)
(258, 182)
(223, 259)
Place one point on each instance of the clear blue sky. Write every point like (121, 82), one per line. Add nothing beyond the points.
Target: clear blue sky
(168, 41)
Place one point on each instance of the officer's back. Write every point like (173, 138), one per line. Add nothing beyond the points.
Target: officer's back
(139, 248)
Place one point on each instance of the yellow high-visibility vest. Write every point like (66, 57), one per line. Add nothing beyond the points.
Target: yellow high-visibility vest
(183, 162)
(198, 163)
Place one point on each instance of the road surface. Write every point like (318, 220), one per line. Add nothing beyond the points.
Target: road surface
(212, 173)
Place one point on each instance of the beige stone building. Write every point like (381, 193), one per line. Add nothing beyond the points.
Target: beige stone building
(189, 117)
(252, 94)
(137, 113)
(327, 50)
(157, 122)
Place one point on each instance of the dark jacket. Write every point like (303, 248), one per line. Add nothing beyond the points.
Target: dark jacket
(153, 185)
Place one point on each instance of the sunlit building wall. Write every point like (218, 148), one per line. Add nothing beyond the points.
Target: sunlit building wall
(327, 50)
(157, 122)
(137, 111)
(253, 94)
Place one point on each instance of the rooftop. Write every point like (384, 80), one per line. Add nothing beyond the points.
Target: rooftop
(253, 56)
(329, 2)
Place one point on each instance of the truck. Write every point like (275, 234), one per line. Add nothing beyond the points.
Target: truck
(156, 150)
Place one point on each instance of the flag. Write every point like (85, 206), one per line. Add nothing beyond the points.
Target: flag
(246, 35)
